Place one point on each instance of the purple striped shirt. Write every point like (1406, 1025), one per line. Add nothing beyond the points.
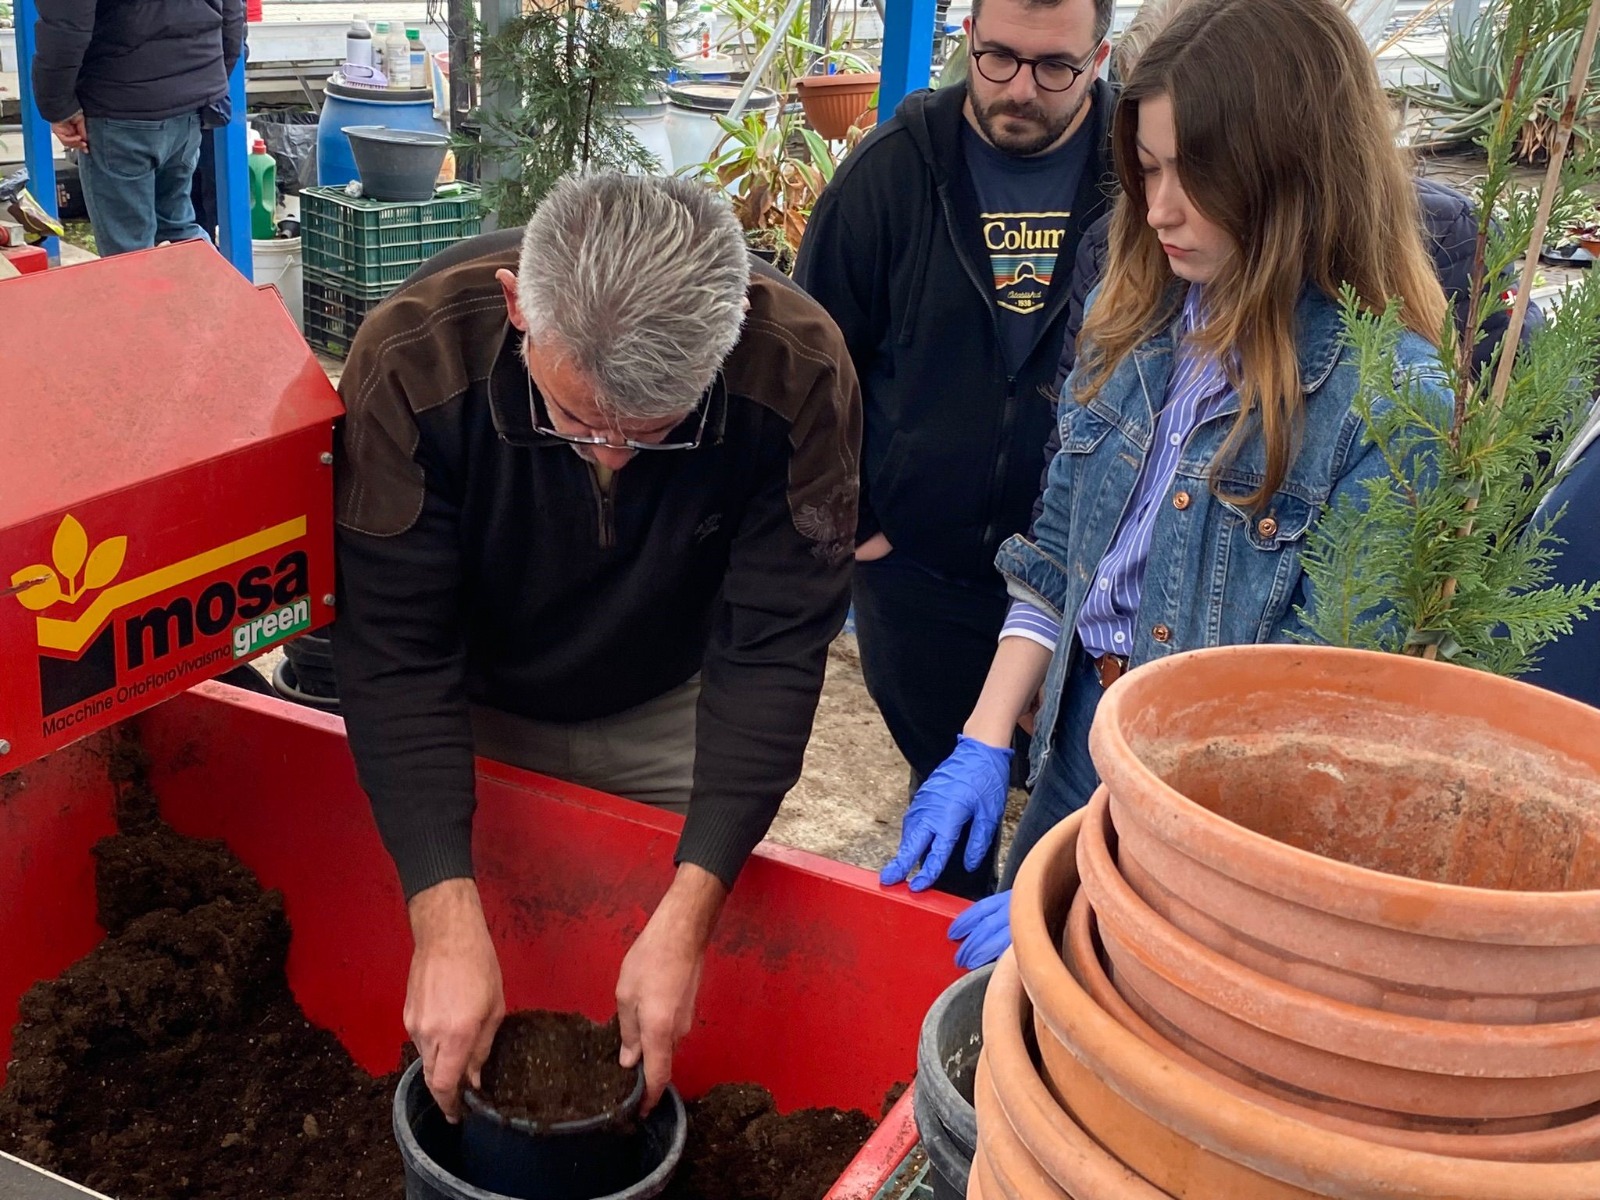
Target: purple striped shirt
(1197, 389)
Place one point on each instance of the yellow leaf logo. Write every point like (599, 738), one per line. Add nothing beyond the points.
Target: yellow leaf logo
(36, 587)
(71, 547)
(105, 562)
(40, 586)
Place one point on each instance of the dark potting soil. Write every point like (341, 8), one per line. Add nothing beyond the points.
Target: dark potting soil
(547, 1067)
(740, 1148)
(172, 1061)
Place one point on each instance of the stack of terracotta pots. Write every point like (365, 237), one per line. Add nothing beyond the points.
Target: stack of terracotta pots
(1331, 928)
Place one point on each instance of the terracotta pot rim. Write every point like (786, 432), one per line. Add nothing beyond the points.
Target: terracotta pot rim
(1027, 1105)
(1362, 893)
(1301, 1154)
(1352, 1031)
(842, 80)
(1534, 1145)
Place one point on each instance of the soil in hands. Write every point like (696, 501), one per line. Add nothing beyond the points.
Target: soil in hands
(549, 1067)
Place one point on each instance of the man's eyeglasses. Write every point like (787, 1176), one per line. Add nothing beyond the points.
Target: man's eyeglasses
(575, 439)
(1050, 74)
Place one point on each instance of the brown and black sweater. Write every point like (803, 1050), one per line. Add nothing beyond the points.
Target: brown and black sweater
(479, 563)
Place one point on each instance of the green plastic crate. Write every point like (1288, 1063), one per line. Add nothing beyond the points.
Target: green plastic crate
(372, 245)
(332, 313)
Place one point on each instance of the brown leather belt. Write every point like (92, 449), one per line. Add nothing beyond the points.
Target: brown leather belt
(1110, 668)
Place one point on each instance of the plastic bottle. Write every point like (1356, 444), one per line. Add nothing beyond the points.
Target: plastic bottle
(397, 58)
(703, 32)
(358, 44)
(419, 58)
(263, 192)
(380, 49)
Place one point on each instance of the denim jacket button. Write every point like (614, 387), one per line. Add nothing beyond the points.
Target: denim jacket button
(1180, 501)
(1267, 527)
(1161, 634)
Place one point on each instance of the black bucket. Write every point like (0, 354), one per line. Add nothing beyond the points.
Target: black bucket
(432, 1149)
(947, 1064)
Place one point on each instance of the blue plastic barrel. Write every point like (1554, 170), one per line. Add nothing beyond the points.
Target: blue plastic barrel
(344, 104)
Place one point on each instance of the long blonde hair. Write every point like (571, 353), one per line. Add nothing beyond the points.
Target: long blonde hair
(1286, 142)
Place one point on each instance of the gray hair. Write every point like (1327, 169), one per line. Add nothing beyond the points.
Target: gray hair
(1153, 16)
(641, 282)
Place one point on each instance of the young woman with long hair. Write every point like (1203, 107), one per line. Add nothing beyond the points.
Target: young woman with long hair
(1211, 415)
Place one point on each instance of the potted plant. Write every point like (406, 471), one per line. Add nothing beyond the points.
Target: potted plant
(774, 169)
(558, 79)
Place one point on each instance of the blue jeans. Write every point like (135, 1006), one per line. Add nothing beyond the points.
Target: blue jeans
(136, 181)
(1068, 778)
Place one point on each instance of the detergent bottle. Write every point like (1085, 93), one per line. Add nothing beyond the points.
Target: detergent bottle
(263, 192)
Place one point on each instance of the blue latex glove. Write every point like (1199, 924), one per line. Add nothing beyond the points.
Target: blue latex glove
(970, 785)
(984, 931)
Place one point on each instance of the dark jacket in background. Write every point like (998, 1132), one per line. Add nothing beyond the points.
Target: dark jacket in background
(1571, 664)
(141, 60)
(894, 252)
(1450, 228)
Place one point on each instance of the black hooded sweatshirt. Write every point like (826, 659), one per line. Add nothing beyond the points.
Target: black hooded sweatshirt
(894, 252)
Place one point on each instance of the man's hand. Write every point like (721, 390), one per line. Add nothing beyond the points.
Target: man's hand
(661, 974)
(454, 1000)
(875, 547)
(73, 133)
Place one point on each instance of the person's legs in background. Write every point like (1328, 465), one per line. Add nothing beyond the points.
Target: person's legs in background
(926, 645)
(119, 183)
(136, 179)
(175, 181)
(203, 192)
(1068, 779)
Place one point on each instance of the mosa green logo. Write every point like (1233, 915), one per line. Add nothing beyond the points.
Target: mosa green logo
(99, 634)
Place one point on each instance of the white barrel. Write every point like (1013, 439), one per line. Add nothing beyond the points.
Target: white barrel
(648, 123)
(277, 261)
(692, 116)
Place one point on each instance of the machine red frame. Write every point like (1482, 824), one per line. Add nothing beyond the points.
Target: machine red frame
(167, 509)
(816, 985)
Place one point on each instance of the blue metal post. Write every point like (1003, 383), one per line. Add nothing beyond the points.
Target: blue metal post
(907, 51)
(38, 150)
(233, 180)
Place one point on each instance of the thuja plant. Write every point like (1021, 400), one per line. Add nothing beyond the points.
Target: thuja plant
(555, 80)
(1443, 556)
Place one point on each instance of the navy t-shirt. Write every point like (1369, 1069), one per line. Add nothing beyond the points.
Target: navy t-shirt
(1026, 206)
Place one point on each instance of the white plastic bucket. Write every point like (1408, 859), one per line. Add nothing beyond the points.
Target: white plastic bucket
(692, 125)
(277, 261)
(648, 123)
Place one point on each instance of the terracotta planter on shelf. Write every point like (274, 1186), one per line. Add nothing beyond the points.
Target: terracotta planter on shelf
(1419, 828)
(1032, 1148)
(834, 103)
(1578, 1141)
(1198, 1134)
(1326, 1047)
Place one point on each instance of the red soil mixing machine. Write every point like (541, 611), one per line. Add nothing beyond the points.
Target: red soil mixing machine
(166, 513)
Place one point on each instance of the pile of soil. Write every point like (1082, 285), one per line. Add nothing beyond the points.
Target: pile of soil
(740, 1148)
(547, 1067)
(173, 1062)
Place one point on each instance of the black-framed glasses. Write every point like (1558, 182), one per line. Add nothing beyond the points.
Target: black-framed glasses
(1049, 74)
(544, 430)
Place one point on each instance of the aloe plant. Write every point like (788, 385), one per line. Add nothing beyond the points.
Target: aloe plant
(1478, 75)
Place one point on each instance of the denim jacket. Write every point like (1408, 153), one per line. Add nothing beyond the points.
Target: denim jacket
(1218, 573)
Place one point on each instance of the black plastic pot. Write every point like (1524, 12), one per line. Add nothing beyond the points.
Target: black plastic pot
(947, 1063)
(287, 686)
(306, 675)
(432, 1150)
(561, 1160)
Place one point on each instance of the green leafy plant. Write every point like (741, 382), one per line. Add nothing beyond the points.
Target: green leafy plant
(755, 25)
(1443, 558)
(775, 169)
(555, 79)
(1478, 74)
